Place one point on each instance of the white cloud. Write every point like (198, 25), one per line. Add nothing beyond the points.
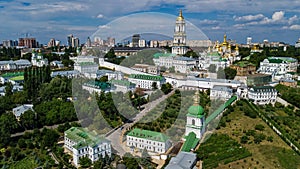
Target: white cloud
(278, 16)
(209, 22)
(249, 17)
(293, 19)
(100, 16)
(295, 27)
(216, 28)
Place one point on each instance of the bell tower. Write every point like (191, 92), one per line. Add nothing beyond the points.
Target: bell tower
(179, 39)
(195, 120)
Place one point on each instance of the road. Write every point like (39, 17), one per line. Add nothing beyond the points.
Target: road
(116, 136)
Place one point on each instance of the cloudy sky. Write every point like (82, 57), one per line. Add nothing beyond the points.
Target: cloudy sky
(275, 20)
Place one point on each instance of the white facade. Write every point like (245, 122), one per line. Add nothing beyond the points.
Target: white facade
(144, 139)
(262, 95)
(86, 67)
(38, 60)
(278, 65)
(146, 81)
(14, 65)
(221, 92)
(180, 64)
(80, 143)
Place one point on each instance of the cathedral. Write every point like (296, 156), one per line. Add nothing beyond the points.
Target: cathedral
(179, 40)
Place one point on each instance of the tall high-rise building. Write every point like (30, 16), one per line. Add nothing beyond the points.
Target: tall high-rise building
(75, 42)
(69, 39)
(249, 40)
(10, 43)
(51, 43)
(179, 40)
(135, 40)
(28, 42)
(88, 42)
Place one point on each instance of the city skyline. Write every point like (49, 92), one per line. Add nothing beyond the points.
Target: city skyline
(278, 21)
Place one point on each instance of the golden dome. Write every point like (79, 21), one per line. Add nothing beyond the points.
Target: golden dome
(180, 17)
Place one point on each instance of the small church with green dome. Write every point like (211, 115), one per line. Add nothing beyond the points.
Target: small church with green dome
(195, 120)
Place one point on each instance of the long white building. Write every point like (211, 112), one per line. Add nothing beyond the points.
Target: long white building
(262, 95)
(146, 81)
(278, 65)
(149, 140)
(82, 143)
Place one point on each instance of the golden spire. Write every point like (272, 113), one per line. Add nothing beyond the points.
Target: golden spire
(236, 47)
(180, 17)
(225, 38)
(196, 98)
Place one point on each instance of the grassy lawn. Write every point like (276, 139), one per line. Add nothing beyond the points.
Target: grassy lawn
(266, 154)
(221, 149)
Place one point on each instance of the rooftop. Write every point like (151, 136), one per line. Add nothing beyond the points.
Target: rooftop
(183, 160)
(147, 134)
(262, 88)
(83, 137)
(281, 59)
(87, 63)
(121, 82)
(98, 85)
(146, 77)
(190, 143)
(184, 59)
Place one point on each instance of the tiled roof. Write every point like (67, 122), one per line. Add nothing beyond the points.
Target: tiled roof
(83, 137)
(147, 134)
(146, 77)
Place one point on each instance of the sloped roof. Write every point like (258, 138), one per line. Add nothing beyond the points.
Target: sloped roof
(147, 134)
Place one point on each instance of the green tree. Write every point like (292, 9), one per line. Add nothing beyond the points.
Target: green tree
(28, 119)
(229, 73)
(221, 73)
(154, 86)
(85, 162)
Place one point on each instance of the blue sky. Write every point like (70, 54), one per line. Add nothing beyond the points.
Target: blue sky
(275, 20)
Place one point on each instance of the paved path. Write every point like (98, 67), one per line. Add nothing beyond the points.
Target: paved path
(117, 136)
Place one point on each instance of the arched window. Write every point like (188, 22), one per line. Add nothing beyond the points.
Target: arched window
(193, 121)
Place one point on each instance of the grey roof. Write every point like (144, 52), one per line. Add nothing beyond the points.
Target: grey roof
(183, 160)
(103, 71)
(5, 62)
(221, 88)
(2, 89)
(22, 62)
(184, 58)
(65, 73)
(21, 109)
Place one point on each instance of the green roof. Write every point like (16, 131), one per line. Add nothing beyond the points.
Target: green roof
(244, 64)
(190, 143)
(220, 110)
(98, 85)
(196, 111)
(147, 134)
(157, 55)
(213, 54)
(146, 77)
(83, 137)
(121, 83)
(281, 59)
